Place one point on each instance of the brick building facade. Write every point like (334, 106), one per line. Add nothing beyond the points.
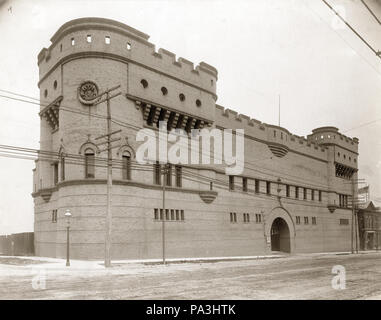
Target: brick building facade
(292, 196)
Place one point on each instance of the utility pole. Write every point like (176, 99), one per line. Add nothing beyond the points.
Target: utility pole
(108, 224)
(354, 225)
(165, 172)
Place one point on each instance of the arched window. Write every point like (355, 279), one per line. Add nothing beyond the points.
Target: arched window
(126, 159)
(89, 163)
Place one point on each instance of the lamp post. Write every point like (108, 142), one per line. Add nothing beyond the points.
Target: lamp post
(68, 216)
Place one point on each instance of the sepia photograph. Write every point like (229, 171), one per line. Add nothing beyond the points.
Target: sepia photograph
(212, 152)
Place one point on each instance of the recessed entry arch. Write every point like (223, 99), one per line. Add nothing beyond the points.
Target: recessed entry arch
(280, 231)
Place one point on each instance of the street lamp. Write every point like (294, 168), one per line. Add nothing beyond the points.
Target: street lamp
(68, 216)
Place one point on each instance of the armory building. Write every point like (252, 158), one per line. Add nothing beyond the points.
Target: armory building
(294, 194)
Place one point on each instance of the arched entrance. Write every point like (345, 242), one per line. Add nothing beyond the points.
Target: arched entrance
(280, 236)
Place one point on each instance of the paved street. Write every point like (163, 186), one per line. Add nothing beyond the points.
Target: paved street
(292, 277)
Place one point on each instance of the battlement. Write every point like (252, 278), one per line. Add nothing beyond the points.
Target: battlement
(331, 135)
(270, 134)
(107, 38)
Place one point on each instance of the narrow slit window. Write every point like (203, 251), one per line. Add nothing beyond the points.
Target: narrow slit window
(89, 163)
(244, 184)
(72, 41)
(179, 176)
(128, 46)
(231, 183)
(107, 39)
(157, 173)
(88, 38)
(126, 166)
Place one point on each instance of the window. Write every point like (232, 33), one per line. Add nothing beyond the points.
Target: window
(157, 173)
(144, 83)
(233, 217)
(170, 214)
(89, 163)
(179, 176)
(128, 46)
(182, 97)
(297, 192)
(88, 38)
(320, 195)
(61, 47)
(198, 103)
(72, 41)
(304, 193)
(312, 195)
(231, 183)
(343, 201)
(313, 220)
(256, 186)
(274, 134)
(62, 168)
(55, 173)
(55, 84)
(305, 220)
(258, 218)
(164, 90)
(287, 190)
(244, 184)
(268, 187)
(54, 215)
(246, 218)
(297, 219)
(168, 175)
(126, 159)
(344, 222)
(107, 39)
(45, 93)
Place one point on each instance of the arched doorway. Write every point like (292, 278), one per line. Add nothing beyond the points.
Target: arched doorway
(280, 236)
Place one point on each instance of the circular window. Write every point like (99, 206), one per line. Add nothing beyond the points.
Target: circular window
(164, 90)
(88, 92)
(45, 93)
(55, 84)
(144, 83)
(181, 97)
(198, 103)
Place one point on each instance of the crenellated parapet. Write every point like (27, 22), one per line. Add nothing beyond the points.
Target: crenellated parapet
(107, 38)
(279, 140)
(332, 136)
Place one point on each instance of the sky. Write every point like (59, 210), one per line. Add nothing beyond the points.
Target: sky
(297, 49)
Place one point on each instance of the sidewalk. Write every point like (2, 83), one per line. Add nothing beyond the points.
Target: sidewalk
(50, 263)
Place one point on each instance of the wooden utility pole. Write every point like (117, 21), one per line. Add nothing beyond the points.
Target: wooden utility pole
(165, 172)
(108, 223)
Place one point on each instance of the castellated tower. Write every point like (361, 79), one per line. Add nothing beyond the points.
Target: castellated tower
(86, 57)
(294, 194)
(342, 156)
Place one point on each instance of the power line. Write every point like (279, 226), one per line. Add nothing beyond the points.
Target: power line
(343, 39)
(353, 30)
(136, 128)
(371, 12)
